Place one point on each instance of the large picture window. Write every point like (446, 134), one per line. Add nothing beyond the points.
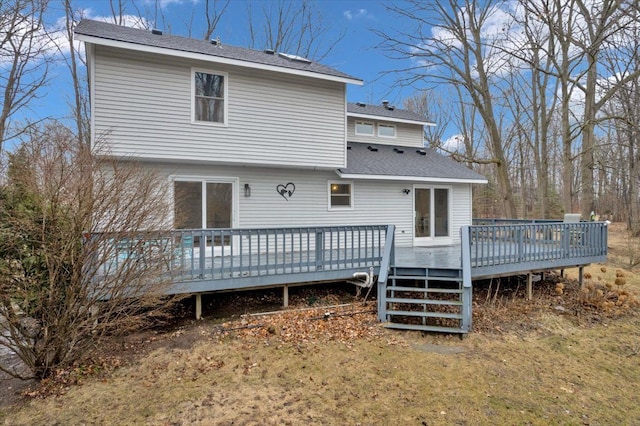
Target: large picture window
(201, 204)
(209, 97)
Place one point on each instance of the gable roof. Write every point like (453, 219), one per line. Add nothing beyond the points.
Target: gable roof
(103, 33)
(378, 112)
(388, 162)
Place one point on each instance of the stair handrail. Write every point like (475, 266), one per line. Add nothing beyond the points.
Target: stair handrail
(388, 257)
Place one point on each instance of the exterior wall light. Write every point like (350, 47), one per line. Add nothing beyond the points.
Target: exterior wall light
(406, 191)
(247, 190)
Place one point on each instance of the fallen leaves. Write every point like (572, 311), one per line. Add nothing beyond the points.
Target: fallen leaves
(343, 323)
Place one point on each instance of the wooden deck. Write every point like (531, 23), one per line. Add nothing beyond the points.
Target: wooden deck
(209, 260)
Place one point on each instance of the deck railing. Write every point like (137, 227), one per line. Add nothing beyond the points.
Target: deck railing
(494, 249)
(228, 254)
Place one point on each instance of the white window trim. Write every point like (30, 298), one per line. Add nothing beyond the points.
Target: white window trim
(436, 240)
(193, 97)
(235, 184)
(393, 126)
(351, 195)
(373, 128)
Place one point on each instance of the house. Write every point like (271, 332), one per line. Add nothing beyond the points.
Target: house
(268, 136)
(276, 179)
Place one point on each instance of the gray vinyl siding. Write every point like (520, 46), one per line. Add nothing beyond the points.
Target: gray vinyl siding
(142, 107)
(406, 134)
(374, 202)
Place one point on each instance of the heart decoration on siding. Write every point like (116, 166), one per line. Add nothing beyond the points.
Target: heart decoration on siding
(286, 190)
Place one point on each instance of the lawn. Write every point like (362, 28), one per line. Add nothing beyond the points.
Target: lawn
(569, 356)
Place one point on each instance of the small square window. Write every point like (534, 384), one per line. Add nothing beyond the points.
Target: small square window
(386, 130)
(364, 128)
(209, 97)
(340, 195)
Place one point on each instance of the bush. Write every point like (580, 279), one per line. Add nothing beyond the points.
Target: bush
(62, 210)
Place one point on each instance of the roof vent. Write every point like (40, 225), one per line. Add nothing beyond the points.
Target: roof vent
(421, 151)
(156, 32)
(361, 104)
(386, 105)
(216, 41)
(398, 150)
(269, 51)
(372, 149)
(295, 58)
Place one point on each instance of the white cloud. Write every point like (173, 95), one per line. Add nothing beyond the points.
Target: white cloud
(357, 14)
(454, 143)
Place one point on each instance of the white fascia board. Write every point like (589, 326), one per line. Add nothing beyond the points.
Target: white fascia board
(395, 120)
(210, 58)
(409, 178)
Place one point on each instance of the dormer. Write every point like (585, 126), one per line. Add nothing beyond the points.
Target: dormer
(384, 124)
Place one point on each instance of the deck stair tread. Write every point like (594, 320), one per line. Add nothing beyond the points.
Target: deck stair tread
(423, 277)
(419, 327)
(425, 290)
(424, 301)
(425, 314)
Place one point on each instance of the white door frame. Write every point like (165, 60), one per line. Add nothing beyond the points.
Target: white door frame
(433, 241)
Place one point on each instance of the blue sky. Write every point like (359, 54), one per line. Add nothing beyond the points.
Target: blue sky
(356, 54)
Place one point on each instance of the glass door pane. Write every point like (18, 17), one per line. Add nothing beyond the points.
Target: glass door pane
(219, 200)
(423, 212)
(187, 205)
(441, 213)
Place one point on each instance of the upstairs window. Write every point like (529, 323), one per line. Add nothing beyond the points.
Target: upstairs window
(340, 195)
(386, 130)
(364, 128)
(209, 97)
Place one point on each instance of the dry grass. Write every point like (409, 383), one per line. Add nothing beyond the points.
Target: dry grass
(565, 357)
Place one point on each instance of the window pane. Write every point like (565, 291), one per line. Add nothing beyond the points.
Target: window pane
(219, 200)
(441, 201)
(188, 205)
(340, 201)
(210, 85)
(209, 110)
(388, 131)
(340, 188)
(340, 195)
(364, 128)
(423, 212)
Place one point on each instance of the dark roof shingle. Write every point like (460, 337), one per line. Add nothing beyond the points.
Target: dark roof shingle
(383, 112)
(120, 33)
(388, 160)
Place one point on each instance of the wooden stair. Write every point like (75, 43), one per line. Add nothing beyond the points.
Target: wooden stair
(427, 299)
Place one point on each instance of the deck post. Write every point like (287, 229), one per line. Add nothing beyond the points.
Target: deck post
(465, 253)
(581, 276)
(529, 286)
(198, 306)
(285, 296)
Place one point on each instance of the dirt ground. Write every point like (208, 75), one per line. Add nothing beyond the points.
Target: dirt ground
(569, 356)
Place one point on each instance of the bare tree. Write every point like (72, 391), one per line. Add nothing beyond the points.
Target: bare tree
(430, 106)
(24, 65)
(76, 64)
(448, 44)
(74, 266)
(291, 26)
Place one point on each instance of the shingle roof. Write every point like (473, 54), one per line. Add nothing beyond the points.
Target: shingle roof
(399, 161)
(381, 111)
(136, 36)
